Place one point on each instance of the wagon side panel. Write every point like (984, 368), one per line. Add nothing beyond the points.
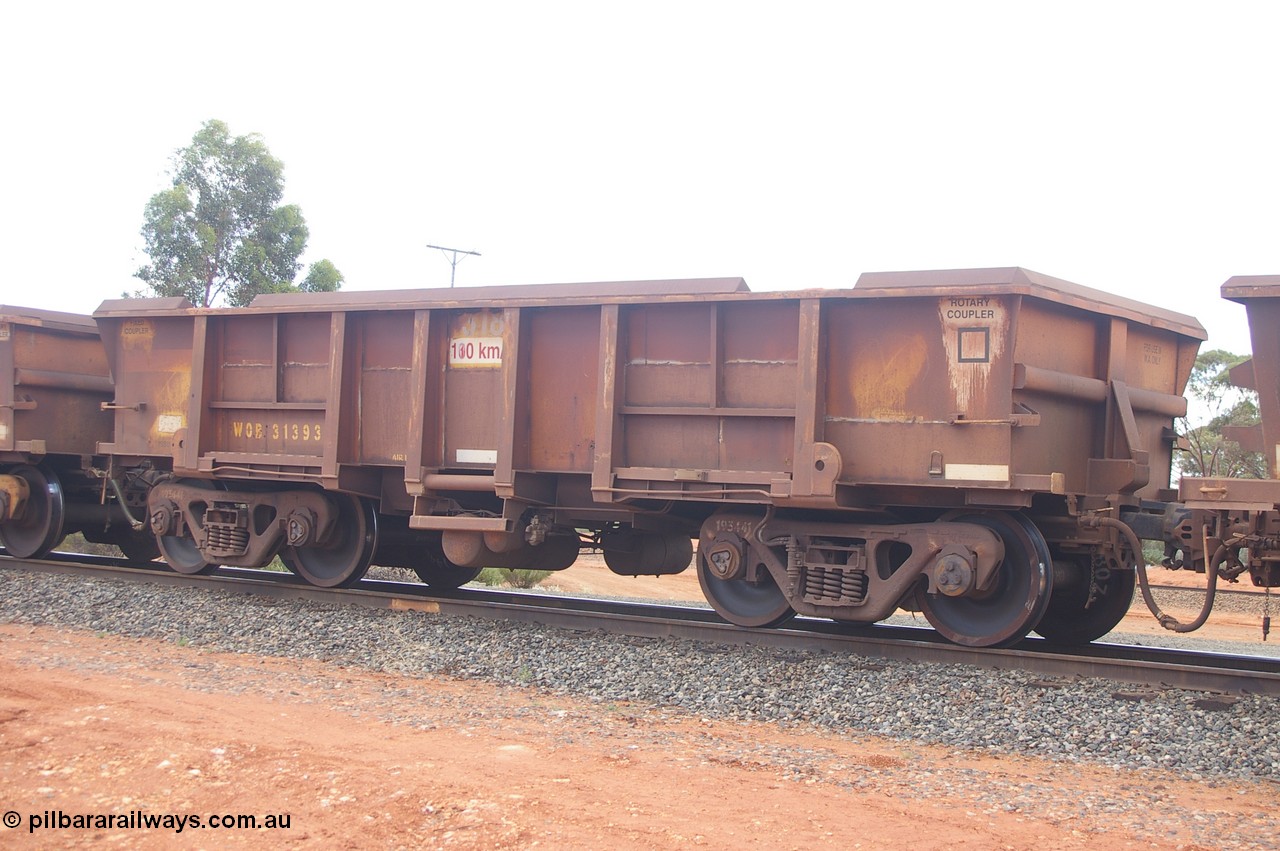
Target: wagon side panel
(53, 381)
(707, 394)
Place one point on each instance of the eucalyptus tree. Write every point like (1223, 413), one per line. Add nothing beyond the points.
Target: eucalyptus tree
(220, 233)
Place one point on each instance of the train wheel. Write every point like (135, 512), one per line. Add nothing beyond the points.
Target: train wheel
(744, 603)
(180, 551)
(1068, 621)
(182, 554)
(39, 529)
(428, 561)
(1005, 612)
(138, 546)
(345, 558)
(445, 574)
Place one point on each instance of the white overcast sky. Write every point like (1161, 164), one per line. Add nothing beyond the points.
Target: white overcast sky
(1128, 146)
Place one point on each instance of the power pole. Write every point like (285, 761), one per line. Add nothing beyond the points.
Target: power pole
(452, 254)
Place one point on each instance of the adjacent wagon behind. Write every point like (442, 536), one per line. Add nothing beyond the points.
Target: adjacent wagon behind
(54, 382)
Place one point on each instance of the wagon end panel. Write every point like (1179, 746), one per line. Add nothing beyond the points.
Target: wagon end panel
(1056, 376)
(1260, 295)
(1157, 367)
(918, 389)
(151, 359)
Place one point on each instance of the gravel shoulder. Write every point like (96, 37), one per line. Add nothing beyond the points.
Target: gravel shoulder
(406, 729)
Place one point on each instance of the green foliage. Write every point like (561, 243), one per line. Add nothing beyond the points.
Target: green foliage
(76, 543)
(276, 566)
(495, 576)
(1211, 453)
(322, 277)
(220, 232)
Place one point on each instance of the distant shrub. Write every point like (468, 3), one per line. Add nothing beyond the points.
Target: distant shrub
(495, 576)
(75, 543)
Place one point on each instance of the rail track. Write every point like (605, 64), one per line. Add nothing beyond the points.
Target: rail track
(1144, 666)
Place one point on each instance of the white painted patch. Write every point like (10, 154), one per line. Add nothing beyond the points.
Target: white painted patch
(978, 472)
(169, 423)
(477, 456)
(973, 334)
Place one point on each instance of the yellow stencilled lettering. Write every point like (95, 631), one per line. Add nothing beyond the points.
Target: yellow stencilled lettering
(276, 431)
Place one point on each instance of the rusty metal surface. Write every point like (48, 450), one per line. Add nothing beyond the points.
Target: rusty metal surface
(151, 364)
(972, 380)
(1223, 494)
(53, 380)
(1260, 295)
(529, 294)
(1016, 280)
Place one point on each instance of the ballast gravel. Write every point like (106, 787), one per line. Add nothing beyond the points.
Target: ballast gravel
(1232, 741)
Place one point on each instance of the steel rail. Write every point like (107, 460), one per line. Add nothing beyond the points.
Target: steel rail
(1147, 666)
(1222, 592)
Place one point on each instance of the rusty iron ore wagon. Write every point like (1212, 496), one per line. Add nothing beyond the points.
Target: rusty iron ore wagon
(974, 443)
(54, 382)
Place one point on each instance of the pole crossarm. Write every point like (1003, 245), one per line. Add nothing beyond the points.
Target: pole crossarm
(452, 254)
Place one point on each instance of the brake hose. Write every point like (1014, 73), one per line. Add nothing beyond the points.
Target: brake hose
(1166, 620)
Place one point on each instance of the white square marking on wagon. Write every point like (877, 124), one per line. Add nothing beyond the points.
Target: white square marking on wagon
(978, 472)
(168, 423)
(477, 456)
